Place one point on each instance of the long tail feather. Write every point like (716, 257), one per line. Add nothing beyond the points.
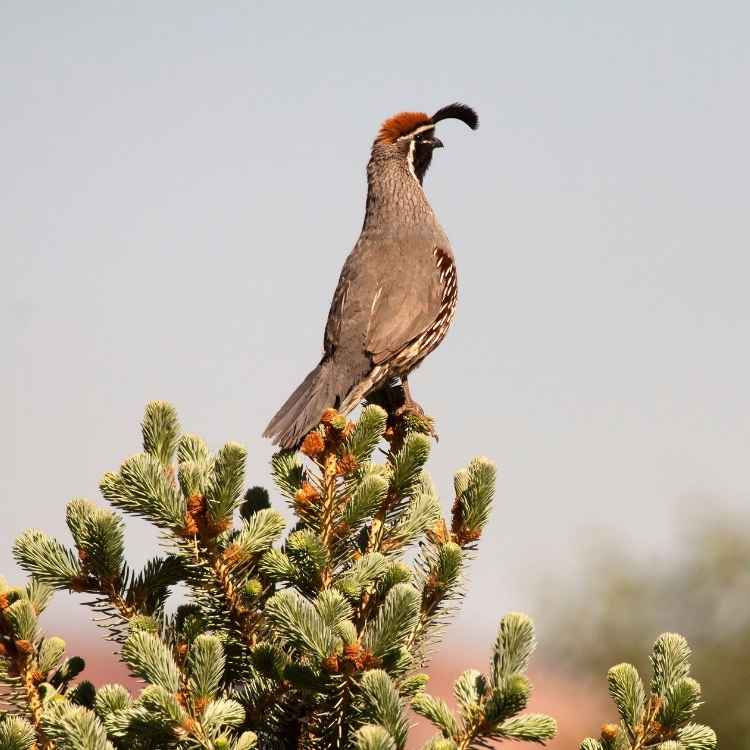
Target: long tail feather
(302, 410)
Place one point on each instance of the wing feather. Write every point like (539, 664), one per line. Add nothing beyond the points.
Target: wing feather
(386, 297)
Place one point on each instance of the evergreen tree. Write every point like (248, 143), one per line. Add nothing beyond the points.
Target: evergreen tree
(316, 642)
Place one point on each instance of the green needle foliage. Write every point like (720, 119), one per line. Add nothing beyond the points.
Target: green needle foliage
(489, 706)
(312, 639)
(661, 717)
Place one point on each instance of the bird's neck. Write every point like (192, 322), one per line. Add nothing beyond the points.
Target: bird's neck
(394, 195)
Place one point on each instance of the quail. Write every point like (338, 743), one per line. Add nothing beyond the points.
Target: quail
(397, 292)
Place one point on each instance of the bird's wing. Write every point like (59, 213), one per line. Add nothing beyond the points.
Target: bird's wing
(340, 309)
(388, 293)
(406, 302)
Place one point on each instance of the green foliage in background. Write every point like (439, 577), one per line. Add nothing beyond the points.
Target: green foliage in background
(699, 585)
(316, 641)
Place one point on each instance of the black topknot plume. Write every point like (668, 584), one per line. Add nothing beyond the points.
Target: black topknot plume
(457, 111)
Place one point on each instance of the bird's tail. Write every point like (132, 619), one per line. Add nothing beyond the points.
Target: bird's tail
(302, 410)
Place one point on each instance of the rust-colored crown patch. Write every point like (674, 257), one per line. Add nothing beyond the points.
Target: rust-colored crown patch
(401, 124)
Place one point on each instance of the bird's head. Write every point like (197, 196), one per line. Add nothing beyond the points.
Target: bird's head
(411, 136)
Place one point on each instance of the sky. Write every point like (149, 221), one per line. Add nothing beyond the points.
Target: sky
(182, 181)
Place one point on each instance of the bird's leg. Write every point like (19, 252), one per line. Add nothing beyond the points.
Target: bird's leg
(410, 408)
(410, 405)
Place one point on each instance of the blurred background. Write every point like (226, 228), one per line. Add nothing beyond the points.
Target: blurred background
(182, 181)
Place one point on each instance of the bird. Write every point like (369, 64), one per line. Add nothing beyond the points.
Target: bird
(397, 292)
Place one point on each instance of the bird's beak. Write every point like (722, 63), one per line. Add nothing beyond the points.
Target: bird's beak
(437, 143)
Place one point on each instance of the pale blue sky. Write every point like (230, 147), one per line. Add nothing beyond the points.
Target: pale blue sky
(181, 182)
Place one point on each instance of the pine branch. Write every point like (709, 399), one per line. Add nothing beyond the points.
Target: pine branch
(396, 619)
(369, 494)
(297, 621)
(98, 536)
(490, 707)
(373, 737)
(381, 704)
(47, 560)
(147, 591)
(436, 711)
(697, 737)
(224, 491)
(161, 430)
(16, 734)
(475, 490)
(670, 661)
(150, 659)
(367, 433)
(626, 690)
(259, 532)
(212, 574)
(530, 728)
(75, 728)
(205, 665)
(663, 718)
(362, 574)
(405, 473)
(100, 569)
(513, 648)
(27, 662)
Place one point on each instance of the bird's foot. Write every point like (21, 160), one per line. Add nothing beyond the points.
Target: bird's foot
(409, 408)
(404, 414)
(415, 420)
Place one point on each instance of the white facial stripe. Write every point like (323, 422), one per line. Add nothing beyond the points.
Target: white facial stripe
(410, 159)
(417, 131)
